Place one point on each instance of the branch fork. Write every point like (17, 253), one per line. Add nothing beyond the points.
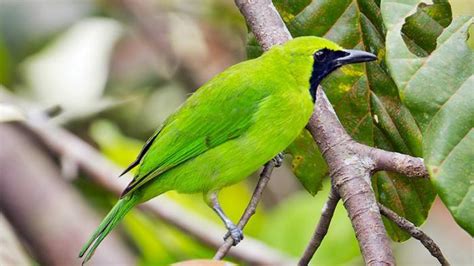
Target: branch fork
(351, 164)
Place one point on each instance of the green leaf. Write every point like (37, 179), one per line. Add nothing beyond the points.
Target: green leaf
(437, 89)
(395, 127)
(160, 243)
(307, 163)
(409, 197)
(423, 27)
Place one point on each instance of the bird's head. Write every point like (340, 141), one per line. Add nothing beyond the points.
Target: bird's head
(324, 55)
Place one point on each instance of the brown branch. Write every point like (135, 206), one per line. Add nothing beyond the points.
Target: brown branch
(396, 162)
(103, 172)
(415, 232)
(350, 173)
(322, 227)
(264, 22)
(12, 251)
(350, 163)
(251, 207)
(350, 178)
(45, 210)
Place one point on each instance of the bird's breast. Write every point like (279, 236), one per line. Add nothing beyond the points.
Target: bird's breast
(280, 119)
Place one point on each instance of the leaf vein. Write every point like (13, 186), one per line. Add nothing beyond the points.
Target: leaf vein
(444, 104)
(454, 147)
(337, 20)
(464, 197)
(430, 57)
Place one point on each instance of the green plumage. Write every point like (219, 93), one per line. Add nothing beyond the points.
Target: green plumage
(226, 130)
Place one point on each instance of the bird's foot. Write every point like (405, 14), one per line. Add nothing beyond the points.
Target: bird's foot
(278, 159)
(236, 234)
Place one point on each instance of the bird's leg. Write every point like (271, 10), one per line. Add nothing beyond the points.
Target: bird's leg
(234, 231)
(278, 159)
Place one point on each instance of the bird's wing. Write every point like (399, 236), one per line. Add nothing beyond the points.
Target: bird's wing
(142, 153)
(221, 110)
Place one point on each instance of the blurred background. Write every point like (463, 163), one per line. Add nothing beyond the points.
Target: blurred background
(110, 72)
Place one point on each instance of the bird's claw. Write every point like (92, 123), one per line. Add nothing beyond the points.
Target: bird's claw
(278, 159)
(236, 234)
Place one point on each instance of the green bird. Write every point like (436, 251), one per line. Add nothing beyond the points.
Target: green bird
(231, 126)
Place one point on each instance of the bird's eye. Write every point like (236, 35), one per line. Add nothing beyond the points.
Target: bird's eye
(320, 56)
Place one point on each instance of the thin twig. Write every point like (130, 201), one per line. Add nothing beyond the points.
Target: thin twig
(415, 232)
(322, 227)
(251, 207)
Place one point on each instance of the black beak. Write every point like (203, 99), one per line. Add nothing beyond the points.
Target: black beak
(355, 56)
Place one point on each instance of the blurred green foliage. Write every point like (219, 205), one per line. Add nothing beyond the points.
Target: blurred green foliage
(300, 212)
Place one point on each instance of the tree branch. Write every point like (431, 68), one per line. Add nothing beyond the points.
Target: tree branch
(251, 207)
(396, 162)
(350, 173)
(44, 209)
(352, 181)
(264, 22)
(322, 227)
(350, 164)
(415, 232)
(12, 251)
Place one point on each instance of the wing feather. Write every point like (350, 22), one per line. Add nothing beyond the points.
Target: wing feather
(221, 110)
(145, 148)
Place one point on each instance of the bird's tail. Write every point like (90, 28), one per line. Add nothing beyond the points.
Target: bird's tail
(110, 221)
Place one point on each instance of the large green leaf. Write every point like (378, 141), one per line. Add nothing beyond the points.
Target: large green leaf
(395, 128)
(365, 97)
(307, 162)
(438, 90)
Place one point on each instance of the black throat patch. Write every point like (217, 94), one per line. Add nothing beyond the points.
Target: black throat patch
(324, 63)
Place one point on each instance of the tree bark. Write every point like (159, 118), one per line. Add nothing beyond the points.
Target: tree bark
(11, 251)
(350, 171)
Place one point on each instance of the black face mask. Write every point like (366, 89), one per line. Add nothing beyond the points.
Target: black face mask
(326, 61)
